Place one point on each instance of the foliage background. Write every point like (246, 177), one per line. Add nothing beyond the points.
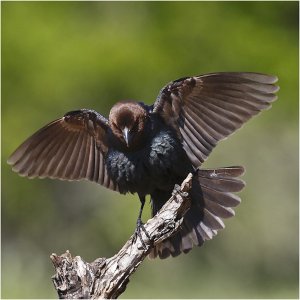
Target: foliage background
(60, 56)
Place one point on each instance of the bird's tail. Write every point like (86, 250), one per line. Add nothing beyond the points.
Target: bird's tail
(212, 200)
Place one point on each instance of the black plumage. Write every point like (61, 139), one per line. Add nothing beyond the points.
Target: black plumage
(148, 149)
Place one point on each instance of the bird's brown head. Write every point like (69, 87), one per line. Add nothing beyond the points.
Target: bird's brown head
(128, 121)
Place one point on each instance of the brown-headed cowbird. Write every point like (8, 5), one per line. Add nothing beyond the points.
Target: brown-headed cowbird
(148, 149)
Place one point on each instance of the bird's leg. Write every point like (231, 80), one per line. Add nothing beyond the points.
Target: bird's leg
(140, 225)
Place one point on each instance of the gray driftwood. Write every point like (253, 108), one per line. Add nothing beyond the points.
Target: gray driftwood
(108, 277)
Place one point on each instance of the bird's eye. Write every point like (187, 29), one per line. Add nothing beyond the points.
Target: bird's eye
(134, 127)
(116, 126)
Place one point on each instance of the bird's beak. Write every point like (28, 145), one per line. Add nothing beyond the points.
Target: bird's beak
(126, 135)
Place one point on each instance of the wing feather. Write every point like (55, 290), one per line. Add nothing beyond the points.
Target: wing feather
(203, 143)
(208, 108)
(81, 156)
(84, 164)
(61, 148)
(70, 148)
(96, 164)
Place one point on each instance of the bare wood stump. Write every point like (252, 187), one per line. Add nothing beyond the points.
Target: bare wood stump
(108, 277)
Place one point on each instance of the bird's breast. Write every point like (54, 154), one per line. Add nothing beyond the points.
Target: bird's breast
(156, 165)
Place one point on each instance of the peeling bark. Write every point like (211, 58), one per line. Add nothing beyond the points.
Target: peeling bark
(108, 277)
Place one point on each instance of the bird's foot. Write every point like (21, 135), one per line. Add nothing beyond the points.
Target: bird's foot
(137, 233)
(177, 191)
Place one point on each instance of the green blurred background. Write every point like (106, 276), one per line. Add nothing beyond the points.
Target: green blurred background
(61, 56)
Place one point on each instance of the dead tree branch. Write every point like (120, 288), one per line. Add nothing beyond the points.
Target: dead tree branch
(107, 277)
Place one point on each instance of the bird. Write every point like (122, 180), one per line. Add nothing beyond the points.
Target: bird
(149, 149)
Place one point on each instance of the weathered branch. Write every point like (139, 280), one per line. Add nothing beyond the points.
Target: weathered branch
(108, 277)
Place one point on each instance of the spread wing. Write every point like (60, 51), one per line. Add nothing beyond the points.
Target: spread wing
(207, 108)
(70, 148)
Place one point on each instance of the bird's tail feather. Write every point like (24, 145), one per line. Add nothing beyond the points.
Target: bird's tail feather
(212, 199)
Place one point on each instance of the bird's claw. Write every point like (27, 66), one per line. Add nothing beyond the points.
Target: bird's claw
(137, 233)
